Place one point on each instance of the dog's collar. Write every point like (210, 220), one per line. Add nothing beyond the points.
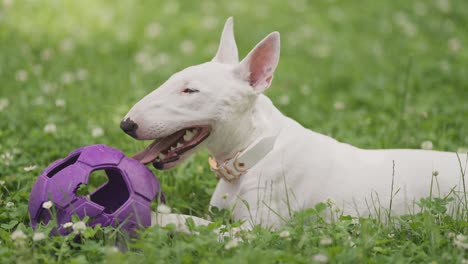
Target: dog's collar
(237, 166)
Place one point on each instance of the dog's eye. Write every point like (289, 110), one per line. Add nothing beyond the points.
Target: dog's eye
(190, 90)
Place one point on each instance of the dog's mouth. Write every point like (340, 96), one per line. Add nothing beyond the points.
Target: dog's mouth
(166, 152)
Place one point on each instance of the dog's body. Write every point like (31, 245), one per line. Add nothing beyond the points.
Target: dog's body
(284, 167)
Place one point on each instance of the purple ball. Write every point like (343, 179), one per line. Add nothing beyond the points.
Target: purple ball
(124, 200)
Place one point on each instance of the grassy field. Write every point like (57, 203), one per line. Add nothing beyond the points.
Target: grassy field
(376, 74)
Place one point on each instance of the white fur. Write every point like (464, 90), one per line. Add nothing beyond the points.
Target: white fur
(304, 167)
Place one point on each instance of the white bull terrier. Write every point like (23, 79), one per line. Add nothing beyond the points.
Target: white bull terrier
(268, 164)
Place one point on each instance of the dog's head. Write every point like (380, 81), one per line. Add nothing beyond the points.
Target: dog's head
(195, 103)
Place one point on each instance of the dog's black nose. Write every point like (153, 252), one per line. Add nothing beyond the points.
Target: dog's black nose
(129, 127)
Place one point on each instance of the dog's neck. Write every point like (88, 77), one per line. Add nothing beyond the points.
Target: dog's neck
(241, 130)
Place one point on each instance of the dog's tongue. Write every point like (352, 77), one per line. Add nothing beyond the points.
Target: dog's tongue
(149, 153)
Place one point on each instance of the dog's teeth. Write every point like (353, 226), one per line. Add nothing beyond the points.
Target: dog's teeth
(162, 156)
(157, 159)
(172, 148)
(179, 145)
(188, 135)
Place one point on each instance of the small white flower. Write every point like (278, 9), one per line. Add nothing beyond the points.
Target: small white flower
(7, 3)
(47, 205)
(50, 128)
(209, 22)
(6, 157)
(67, 225)
(326, 241)
(38, 236)
(21, 76)
(67, 45)
(427, 145)
(249, 236)
(4, 103)
(231, 244)
(46, 54)
(464, 261)
(460, 241)
(355, 221)
(164, 209)
(67, 77)
(30, 168)
(320, 258)
(2, 183)
(391, 235)
(79, 226)
(9, 204)
(285, 234)
(60, 103)
(153, 30)
(97, 132)
(112, 250)
(39, 100)
(454, 44)
(187, 47)
(284, 99)
(339, 105)
(81, 74)
(18, 235)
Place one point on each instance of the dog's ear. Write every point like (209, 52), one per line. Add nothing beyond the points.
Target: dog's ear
(258, 66)
(227, 50)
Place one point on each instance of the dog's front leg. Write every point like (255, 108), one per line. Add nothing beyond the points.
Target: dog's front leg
(180, 222)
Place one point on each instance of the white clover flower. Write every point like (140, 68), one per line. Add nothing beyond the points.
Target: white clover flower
(427, 145)
(249, 236)
(305, 89)
(153, 30)
(79, 226)
(97, 132)
(7, 3)
(47, 205)
(285, 234)
(454, 44)
(50, 128)
(39, 100)
(81, 74)
(60, 103)
(38, 236)
(9, 204)
(231, 244)
(112, 250)
(326, 241)
(330, 202)
(21, 76)
(46, 54)
(4, 103)
(67, 225)
(18, 235)
(164, 209)
(338, 105)
(67, 45)
(209, 22)
(320, 258)
(67, 77)
(6, 157)
(284, 99)
(30, 168)
(355, 221)
(187, 47)
(460, 241)
(443, 5)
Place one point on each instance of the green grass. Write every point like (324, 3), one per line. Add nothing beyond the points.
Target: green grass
(376, 74)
